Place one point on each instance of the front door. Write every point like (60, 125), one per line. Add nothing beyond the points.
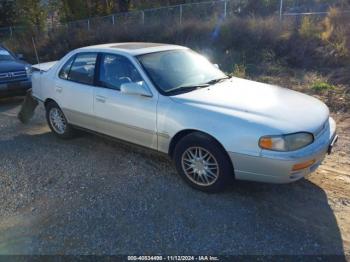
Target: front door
(124, 116)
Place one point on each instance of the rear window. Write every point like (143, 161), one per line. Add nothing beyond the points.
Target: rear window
(80, 68)
(5, 55)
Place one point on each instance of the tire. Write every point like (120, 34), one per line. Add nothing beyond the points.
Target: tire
(203, 163)
(66, 131)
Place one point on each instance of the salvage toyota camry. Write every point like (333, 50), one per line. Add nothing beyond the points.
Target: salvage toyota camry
(173, 100)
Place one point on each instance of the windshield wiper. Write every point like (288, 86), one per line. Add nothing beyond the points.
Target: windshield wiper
(217, 80)
(188, 88)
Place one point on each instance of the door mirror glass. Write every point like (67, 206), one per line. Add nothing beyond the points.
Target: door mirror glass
(217, 66)
(135, 88)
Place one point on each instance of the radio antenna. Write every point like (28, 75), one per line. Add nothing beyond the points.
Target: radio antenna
(36, 52)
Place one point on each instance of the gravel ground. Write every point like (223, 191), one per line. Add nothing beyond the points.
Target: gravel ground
(91, 195)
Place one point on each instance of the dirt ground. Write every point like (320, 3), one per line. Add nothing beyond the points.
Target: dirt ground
(334, 178)
(90, 195)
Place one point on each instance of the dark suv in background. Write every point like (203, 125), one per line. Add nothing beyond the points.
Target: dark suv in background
(15, 74)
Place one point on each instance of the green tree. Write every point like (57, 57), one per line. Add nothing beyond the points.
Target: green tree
(53, 8)
(81, 9)
(7, 13)
(100, 7)
(31, 13)
(143, 4)
(124, 5)
(261, 7)
(73, 10)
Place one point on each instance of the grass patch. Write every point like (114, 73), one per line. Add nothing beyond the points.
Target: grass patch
(322, 86)
(239, 71)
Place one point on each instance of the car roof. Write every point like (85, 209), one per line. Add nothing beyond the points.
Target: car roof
(134, 48)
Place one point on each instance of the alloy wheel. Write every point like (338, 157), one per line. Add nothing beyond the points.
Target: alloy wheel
(200, 166)
(57, 121)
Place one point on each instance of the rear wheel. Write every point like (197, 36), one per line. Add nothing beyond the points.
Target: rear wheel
(58, 122)
(203, 163)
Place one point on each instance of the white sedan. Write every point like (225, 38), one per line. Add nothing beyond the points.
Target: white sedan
(171, 99)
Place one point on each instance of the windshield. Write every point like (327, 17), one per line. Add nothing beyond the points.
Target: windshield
(5, 55)
(179, 70)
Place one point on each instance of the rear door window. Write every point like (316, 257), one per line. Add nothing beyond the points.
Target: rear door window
(82, 69)
(64, 72)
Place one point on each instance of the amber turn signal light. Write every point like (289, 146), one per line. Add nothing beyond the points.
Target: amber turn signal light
(265, 142)
(303, 165)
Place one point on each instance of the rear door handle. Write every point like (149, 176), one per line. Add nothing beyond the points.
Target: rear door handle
(59, 89)
(101, 99)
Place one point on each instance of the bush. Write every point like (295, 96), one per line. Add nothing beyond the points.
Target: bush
(239, 71)
(252, 41)
(309, 29)
(337, 34)
(235, 39)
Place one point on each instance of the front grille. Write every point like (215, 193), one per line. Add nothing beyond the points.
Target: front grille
(13, 76)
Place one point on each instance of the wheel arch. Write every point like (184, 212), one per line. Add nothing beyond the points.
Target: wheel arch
(178, 136)
(49, 100)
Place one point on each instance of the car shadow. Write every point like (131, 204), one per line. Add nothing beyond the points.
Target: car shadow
(300, 210)
(10, 103)
(91, 195)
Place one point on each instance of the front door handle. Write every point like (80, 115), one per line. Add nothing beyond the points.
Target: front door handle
(101, 99)
(59, 89)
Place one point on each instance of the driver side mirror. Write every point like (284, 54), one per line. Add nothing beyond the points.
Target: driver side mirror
(20, 56)
(133, 88)
(217, 66)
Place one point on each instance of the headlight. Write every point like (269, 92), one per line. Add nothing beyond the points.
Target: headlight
(284, 143)
(29, 71)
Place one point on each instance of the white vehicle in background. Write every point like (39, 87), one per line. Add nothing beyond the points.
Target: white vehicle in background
(171, 99)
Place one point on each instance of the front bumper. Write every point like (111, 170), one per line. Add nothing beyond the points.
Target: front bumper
(276, 167)
(14, 88)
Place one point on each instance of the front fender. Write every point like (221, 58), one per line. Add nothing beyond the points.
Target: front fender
(234, 133)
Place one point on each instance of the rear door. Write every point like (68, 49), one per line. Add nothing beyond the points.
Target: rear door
(75, 91)
(128, 117)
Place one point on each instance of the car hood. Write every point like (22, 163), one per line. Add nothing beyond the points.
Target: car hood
(279, 108)
(12, 66)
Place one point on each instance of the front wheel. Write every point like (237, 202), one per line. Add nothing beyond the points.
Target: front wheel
(58, 122)
(203, 163)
